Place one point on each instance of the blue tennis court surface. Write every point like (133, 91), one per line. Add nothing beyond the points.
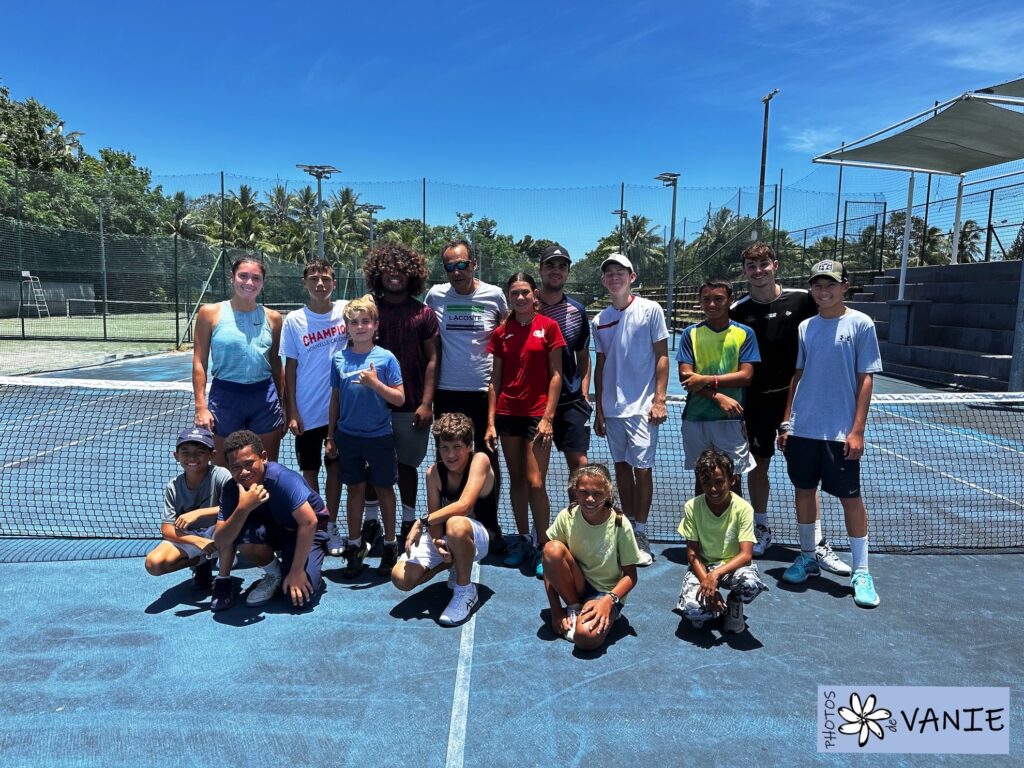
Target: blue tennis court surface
(105, 665)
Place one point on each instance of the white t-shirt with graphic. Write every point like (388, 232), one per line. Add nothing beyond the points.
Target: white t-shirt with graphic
(466, 322)
(312, 339)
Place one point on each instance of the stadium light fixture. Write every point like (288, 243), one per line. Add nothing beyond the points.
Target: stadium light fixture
(319, 172)
(670, 179)
(766, 100)
(372, 208)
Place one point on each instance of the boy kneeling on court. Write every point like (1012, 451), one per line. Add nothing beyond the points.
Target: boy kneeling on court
(460, 488)
(718, 527)
(268, 509)
(190, 511)
(589, 561)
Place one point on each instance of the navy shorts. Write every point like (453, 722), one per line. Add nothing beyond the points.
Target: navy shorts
(590, 592)
(244, 406)
(572, 426)
(810, 462)
(362, 459)
(516, 426)
(282, 541)
(309, 449)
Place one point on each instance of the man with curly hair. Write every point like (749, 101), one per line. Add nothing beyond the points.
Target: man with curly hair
(395, 275)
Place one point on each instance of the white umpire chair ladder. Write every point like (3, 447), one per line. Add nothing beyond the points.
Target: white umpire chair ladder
(35, 289)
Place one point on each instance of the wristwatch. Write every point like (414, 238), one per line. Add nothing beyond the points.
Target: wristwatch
(425, 522)
(616, 600)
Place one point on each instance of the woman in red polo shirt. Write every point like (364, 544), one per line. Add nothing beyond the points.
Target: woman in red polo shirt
(525, 384)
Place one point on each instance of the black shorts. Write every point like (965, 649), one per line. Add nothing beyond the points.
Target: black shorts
(762, 415)
(572, 426)
(309, 449)
(516, 426)
(471, 404)
(810, 462)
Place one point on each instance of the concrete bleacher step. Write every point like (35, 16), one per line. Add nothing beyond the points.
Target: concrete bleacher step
(1000, 317)
(946, 378)
(989, 272)
(948, 360)
(986, 340)
(877, 310)
(972, 293)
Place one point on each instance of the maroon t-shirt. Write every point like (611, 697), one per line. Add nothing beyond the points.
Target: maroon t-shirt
(403, 329)
(524, 373)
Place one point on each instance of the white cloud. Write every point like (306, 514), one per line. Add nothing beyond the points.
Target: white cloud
(987, 45)
(813, 140)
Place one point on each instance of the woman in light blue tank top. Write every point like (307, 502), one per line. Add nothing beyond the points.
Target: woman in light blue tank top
(236, 342)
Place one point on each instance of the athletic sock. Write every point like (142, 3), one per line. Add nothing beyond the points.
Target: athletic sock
(408, 513)
(808, 542)
(818, 536)
(859, 552)
(392, 543)
(761, 518)
(640, 527)
(273, 568)
(371, 510)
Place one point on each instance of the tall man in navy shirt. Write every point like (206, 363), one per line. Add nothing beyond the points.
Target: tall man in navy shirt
(269, 509)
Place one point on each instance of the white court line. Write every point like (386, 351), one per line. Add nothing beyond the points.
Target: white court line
(952, 432)
(954, 478)
(460, 699)
(73, 443)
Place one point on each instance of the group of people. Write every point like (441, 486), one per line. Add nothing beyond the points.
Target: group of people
(365, 383)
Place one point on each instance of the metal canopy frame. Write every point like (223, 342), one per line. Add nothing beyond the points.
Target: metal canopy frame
(1010, 93)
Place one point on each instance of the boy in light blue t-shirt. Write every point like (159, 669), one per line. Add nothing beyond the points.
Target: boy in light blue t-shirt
(822, 430)
(365, 379)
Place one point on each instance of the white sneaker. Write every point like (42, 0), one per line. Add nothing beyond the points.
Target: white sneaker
(829, 560)
(572, 613)
(734, 622)
(763, 534)
(646, 558)
(264, 590)
(460, 606)
(335, 542)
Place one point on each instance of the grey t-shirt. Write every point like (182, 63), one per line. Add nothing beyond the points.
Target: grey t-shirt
(831, 353)
(179, 498)
(466, 322)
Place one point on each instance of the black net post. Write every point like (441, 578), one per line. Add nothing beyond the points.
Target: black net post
(177, 318)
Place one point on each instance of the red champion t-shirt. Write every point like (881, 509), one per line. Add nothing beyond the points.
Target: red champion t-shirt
(524, 352)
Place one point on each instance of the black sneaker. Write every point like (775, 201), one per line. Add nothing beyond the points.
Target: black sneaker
(202, 576)
(370, 532)
(498, 546)
(403, 533)
(354, 557)
(223, 595)
(388, 559)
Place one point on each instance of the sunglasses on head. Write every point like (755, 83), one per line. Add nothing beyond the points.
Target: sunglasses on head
(462, 266)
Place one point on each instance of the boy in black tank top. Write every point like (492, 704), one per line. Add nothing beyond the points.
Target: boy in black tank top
(460, 488)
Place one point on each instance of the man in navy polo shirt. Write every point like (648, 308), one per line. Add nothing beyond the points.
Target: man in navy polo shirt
(268, 509)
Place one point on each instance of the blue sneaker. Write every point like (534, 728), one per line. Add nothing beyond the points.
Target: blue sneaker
(804, 566)
(864, 593)
(518, 551)
(538, 564)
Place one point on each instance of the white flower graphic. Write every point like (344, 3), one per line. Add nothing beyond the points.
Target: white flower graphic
(862, 719)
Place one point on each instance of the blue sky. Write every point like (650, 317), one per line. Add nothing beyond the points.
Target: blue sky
(516, 94)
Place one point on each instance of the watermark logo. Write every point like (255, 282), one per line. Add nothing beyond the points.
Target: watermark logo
(914, 719)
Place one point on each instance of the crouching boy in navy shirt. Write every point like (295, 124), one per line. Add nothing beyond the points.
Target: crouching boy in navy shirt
(268, 509)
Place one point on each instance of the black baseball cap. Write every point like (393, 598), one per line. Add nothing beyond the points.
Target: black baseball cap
(554, 252)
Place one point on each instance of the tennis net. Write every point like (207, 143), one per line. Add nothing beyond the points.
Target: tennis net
(941, 471)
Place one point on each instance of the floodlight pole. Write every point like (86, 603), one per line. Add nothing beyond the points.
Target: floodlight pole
(764, 159)
(103, 268)
(905, 250)
(372, 208)
(319, 172)
(621, 213)
(670, 179)
(954, 257)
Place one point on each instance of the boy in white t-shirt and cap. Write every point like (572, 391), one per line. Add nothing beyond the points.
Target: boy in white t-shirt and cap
(310, 338)
(630, 386)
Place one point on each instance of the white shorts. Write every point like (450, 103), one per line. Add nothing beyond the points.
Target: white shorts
(425, 554)
(727, 435)
(191, 550)
(633, 440)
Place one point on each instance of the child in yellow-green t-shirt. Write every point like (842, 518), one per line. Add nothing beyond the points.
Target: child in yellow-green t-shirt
(589, 561)
(718, 527)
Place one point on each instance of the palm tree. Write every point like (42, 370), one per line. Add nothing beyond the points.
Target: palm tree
(969, 247)
(279, 207)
